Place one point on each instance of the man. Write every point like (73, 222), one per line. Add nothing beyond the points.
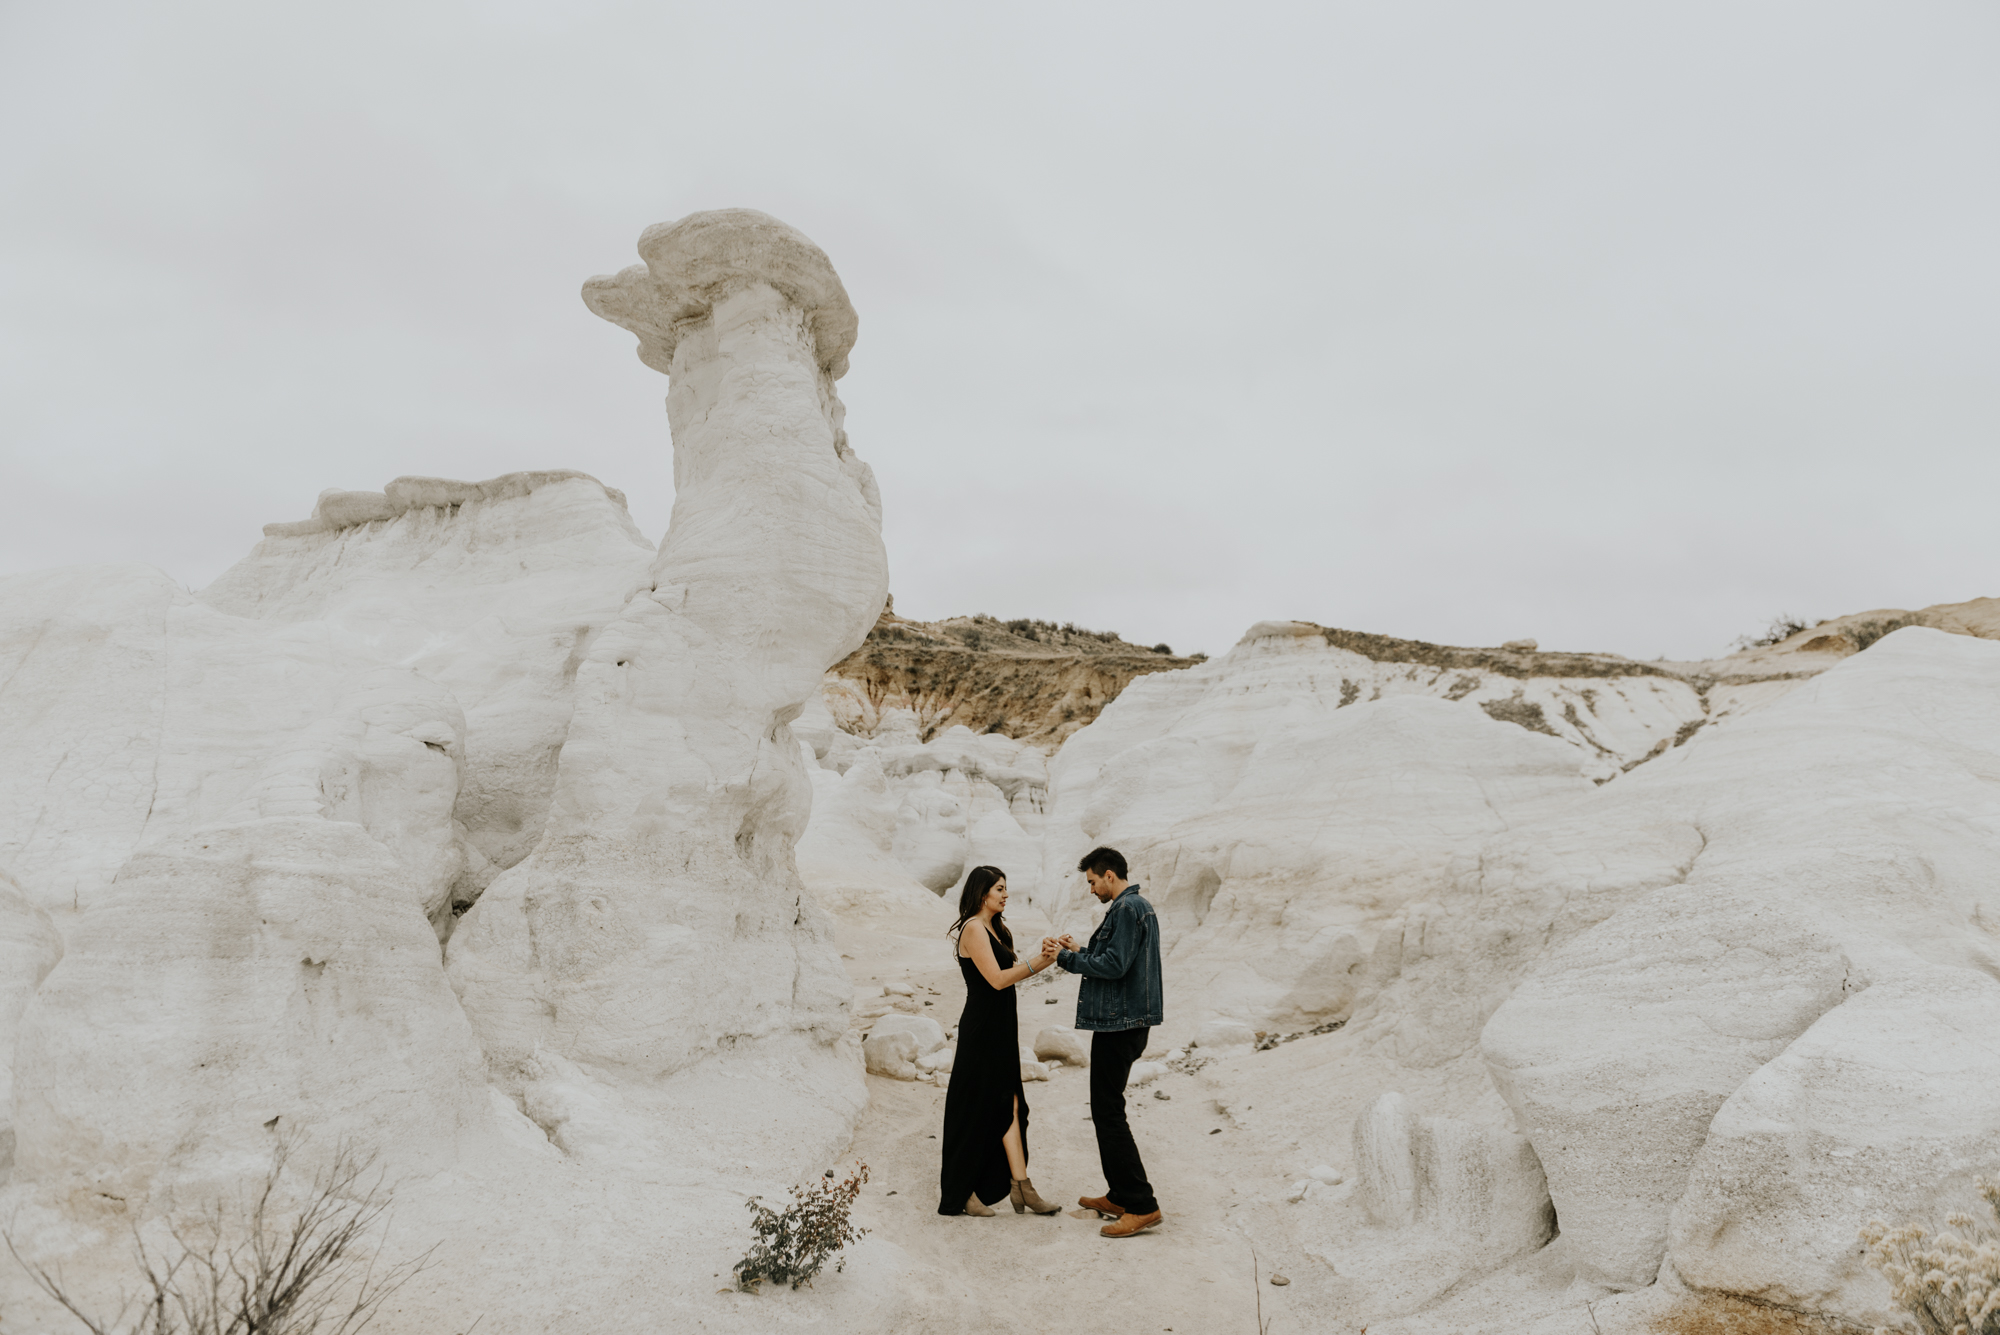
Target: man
(1119, 1003)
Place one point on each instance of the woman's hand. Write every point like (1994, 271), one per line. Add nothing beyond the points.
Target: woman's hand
(1050, 949)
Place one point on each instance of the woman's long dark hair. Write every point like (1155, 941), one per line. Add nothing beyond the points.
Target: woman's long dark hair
(977, 883)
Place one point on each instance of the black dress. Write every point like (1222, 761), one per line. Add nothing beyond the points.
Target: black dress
(979, 1101)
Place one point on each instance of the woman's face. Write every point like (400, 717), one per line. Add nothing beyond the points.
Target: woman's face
(996, 898)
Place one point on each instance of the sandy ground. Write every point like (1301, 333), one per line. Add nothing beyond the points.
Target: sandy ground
(1198, 1271)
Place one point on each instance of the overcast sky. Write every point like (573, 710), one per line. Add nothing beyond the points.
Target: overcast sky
(1621, 326)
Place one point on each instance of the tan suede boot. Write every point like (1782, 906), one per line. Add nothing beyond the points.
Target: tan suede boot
(1025, 1197)
(973, 1206)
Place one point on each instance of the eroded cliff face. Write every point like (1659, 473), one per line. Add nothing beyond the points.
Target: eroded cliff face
(1033, 681)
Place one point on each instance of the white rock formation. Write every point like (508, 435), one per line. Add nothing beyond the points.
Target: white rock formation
(1846, 840)
(83, 666)
(1886, 1108)
(667, 861)
(890, 809)
(1456, 1199)
(237, 827)
(490, 589)
(1246, 795)
(1478, 1190)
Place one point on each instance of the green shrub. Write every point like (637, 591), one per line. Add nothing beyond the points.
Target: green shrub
(795, 1243)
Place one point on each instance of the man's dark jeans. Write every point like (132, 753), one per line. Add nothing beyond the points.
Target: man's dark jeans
(1112, 1053)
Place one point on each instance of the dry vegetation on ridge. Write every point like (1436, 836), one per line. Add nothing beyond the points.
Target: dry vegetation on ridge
(1031, 680)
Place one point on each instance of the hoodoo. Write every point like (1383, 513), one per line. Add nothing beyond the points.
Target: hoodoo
(667, 861)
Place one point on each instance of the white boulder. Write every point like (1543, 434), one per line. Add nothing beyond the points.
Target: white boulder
(1621, 1048)
(1799, 888)
(1463, 1199)
(893, 1054)
(1063, 1045)
(928, 1033)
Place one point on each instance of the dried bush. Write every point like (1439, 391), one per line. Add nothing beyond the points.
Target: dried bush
(1783, 626)
(795, 1243)
(1950, 1282)
(257, 1269)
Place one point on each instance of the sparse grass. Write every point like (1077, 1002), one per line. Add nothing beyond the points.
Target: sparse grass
(1389, 649)
(1949, 1281)
(259, 1269)
(1783, 626)
(795, 1243)
(1713, 1314)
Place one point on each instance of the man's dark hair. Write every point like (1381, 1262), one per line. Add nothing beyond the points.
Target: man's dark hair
(1101, 860)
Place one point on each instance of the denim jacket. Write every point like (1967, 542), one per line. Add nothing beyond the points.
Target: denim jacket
(1120, 967)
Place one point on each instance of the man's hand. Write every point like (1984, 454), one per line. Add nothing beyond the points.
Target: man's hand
(1067, 942)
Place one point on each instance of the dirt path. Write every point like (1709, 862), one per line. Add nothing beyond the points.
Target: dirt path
(1192, 1274)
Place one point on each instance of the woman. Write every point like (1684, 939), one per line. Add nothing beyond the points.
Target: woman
(985, 1114)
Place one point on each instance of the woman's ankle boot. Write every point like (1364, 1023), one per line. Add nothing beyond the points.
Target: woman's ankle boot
(973, 1205)
(1025, 1197)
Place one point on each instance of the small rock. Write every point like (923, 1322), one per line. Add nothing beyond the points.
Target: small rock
(898, 990)
(1063, 1045)
(1326, 1174)
(1520, 646)
(1299, 1190)
(1144, 1073)
(1048, 1001)
(1279, 1279)
(892, 1054)
(936, 1063)
(928, 1033)
(1161, 1094)
(1216, 1132)
(1033, 1070)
